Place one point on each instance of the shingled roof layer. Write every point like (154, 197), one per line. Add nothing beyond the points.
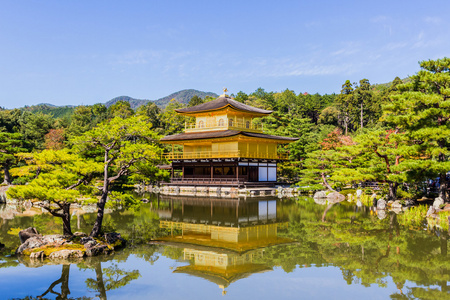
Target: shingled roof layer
(220, 103)
(221, 134)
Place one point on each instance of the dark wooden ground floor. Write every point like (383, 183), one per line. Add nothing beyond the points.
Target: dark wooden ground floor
(224, 171)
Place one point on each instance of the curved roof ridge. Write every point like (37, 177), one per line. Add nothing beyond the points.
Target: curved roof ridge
(222, 102)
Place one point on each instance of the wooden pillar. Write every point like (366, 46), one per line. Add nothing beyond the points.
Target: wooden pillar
(212, 169)
(182, 168)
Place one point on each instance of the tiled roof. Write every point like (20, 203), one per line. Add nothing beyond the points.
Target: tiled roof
(220, 103)
(221, 134)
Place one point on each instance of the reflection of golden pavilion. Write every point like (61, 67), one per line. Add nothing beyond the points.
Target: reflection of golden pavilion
(222, 239)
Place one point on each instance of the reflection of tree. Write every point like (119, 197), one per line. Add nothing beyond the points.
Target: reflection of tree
(110, 278)
(64, 281)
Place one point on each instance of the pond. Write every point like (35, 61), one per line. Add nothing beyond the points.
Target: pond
(201, 248)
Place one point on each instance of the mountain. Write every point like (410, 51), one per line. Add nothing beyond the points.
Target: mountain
(50, 109)
(183, 97)
(134, 103)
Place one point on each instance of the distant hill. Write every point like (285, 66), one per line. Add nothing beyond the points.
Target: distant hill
(134, 103)
(50, 109)
(183, 97)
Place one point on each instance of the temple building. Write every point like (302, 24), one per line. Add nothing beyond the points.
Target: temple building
(224, 146)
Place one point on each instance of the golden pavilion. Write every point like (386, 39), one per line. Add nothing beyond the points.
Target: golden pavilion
(224, 146)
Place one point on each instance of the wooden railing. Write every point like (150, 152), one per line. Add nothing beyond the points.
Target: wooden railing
(224, 154)
(234, 125)
(207, 180)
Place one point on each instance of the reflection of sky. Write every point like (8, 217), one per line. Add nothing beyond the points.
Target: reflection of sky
(158, 281)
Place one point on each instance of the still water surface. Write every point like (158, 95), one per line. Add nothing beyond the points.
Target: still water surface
(196, 248)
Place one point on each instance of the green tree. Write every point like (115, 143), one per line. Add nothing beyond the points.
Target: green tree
(62, 178)
(10, 144)
(123, 143)
(422, 112)
(195, 100)
(366, 106)
(172, 121)
(153, 113)
(120, 109)
(80, 121)
(344, 103)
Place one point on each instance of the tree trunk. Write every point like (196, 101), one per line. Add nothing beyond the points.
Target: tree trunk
(101, 203)
(325, 182)
(100, 283)
(100, 211)
(66, 219)
(7, 176)
(392, 190)
(64, 280)
(443, 186)
(361, 115)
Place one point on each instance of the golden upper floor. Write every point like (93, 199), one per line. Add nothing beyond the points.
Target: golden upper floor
(223, 113)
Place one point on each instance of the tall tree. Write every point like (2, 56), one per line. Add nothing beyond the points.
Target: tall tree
(422, 112)
(195, 100)
(123, 143)
(10, 144)
(345, 104)
(120, 109)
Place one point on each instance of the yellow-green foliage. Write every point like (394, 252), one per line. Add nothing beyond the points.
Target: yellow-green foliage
(48, 249)
(441, 221)
(14, 231)
(414, 216)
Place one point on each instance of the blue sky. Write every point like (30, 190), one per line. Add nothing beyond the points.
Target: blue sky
(85, 52)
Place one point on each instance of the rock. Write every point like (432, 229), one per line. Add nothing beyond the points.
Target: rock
(37, 255)
(88, 242)
(66, 254)
(39, 241)
(97, 250)
(335, 197)
(115, 239)
(446, 207)
(320, 194)
(79, 234)
(86, 239)
(27, 233)
(396, 205)
(358, 193)
(438, 202)
(320, 201)
(381, 214)
(397, 210)
(409, 203)
(144, 200)
(431, 211)
(381, 204)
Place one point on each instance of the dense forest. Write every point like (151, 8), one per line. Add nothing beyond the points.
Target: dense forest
(394, 134)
